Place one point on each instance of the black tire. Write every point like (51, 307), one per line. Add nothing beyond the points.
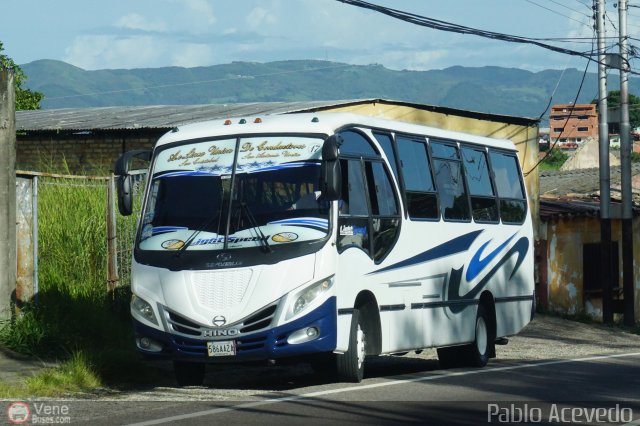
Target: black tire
(350, 365)
(189, 373)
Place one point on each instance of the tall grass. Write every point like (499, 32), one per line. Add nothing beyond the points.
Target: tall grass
(75, 318)
(72, 248)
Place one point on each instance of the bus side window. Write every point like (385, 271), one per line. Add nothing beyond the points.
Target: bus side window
(353, 221)
(384, 209)
(386, 143)
(508, 181)
(418, 183)
(447, 168)
(483, 198)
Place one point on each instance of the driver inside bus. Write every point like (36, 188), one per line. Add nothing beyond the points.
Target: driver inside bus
(314, 201)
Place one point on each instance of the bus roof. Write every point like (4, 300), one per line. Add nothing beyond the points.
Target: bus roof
(317, 123)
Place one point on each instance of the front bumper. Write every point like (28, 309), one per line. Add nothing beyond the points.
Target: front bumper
(266, 344)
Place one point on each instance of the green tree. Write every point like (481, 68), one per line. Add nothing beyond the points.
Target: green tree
(25, 98)
(554, 160)
(613, 102)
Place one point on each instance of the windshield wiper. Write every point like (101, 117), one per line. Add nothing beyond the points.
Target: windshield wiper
(195, 233)
(254, 223)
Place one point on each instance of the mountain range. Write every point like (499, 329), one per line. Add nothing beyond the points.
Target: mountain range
(490, 89)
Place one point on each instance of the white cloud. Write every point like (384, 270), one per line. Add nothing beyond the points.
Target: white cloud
(193, 55)
(259, 18)
(134, 21)
(109, 51)
(199, 15)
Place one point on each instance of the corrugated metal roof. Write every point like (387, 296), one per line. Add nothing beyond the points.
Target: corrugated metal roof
(561, 208)
(580, 181)
(150, 117)
(169, 116)
(577, 192)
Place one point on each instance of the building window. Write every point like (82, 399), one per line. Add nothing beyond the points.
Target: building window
(583, 129)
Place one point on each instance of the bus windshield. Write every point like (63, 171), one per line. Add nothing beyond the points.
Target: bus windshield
(235, 193)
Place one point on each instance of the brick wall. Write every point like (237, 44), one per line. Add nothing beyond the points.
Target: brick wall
(78, 153)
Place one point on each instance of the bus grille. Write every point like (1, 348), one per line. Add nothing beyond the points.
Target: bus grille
(221, 289)
(254, 322)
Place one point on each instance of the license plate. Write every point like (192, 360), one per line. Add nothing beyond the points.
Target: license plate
(222, 348)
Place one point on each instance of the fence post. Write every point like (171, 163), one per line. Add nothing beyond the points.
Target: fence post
(112, 253)
(25, 238)
(7, 193)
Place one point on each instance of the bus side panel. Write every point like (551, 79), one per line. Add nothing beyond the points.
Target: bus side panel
(444, 328)
(512, 316)
(353, 264)
(405, 325)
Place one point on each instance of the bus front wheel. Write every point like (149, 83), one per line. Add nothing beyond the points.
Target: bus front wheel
(350, 365)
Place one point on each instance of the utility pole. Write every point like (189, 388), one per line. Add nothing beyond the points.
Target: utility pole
(605, 180)
(625, 181)
(7, 193)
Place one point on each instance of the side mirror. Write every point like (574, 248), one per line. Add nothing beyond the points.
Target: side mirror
(330, 172)
(331, 147)
(123, 179)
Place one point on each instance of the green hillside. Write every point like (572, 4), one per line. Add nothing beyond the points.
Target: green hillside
(487, 89)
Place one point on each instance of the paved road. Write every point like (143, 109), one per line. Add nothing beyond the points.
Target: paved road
(553, 365)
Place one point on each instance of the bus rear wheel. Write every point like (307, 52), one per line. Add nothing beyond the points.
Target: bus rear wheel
(189, 373)
(475, 354)
(479, 352)
(350, 365)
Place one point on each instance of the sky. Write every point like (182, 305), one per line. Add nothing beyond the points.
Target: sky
(189, 33)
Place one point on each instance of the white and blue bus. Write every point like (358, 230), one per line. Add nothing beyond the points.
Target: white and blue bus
(327, 238)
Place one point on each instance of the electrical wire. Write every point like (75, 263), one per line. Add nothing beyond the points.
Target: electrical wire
(561, 14)
(440, 25)
(584, 75)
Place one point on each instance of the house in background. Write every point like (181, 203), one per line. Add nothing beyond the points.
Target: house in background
(567, 249)
(572, 125)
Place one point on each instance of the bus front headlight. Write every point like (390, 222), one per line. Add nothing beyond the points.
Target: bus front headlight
(305, 298)
(143, 309)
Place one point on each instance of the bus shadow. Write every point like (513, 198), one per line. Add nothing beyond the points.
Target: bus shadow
(295, 376)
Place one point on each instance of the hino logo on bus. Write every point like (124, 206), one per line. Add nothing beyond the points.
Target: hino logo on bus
(219, 321)
(224, 257)
(221, 332)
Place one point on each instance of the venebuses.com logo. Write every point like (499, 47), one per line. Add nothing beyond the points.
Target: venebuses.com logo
(19, 413)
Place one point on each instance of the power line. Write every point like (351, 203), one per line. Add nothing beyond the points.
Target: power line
(584, 75)
(440, 25)
(570, 8)
(560, 14)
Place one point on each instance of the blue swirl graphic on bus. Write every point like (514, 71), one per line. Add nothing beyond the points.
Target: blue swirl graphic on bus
(456, 245)
(305, 222)
(164, 229)
(520, 248)
(476, 265)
